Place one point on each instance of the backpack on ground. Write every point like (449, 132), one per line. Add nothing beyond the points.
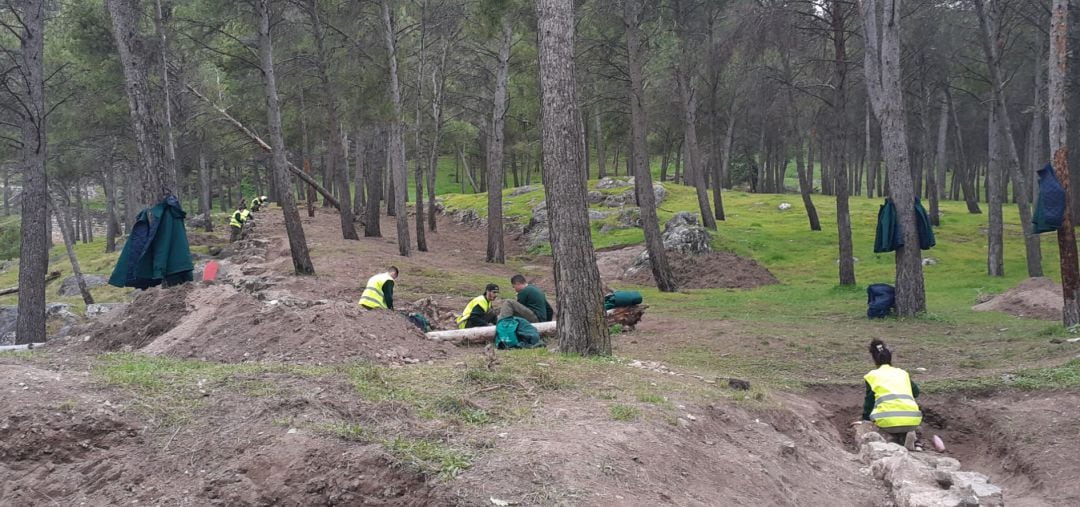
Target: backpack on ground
(880, 299)
(516, 333)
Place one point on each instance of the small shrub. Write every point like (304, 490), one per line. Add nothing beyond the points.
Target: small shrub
(624, 412)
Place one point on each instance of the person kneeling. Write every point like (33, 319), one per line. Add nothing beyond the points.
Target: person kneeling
(480, 312)
(890, 398)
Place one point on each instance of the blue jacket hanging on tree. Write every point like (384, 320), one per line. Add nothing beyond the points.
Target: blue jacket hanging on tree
(890, 235)
(1050, 208)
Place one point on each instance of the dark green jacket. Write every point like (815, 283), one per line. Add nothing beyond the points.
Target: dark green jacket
(156, 250)
(534, 299)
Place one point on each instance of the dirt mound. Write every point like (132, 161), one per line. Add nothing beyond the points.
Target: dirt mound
(715, 270)
(220, 323)
(73, 443)
(1035, 298)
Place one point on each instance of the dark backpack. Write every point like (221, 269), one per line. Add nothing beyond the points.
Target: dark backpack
(1050, 208)
(880, 298)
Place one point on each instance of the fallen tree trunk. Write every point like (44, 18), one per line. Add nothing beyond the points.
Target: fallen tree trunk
(484, 334)
(266, 147)
(13, 290)
(25, 346)
(627, 316)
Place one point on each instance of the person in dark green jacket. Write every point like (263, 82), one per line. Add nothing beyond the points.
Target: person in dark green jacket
(531, 304)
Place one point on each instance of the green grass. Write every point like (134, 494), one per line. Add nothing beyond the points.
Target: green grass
(624, 413)
(1066, 376)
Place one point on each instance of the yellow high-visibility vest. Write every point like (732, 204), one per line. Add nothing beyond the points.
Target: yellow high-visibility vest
(373, 294)
(894, 405)
(480, 301)
(238, 218)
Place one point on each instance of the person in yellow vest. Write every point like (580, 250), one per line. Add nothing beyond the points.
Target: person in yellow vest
(480, 311)
(237, 221)
(379, 292)
(890, 398)
(256, 203)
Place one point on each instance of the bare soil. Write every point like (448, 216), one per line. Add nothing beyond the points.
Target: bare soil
(73, 442)
(1033, 298)
(716, 270)
(1025, 442)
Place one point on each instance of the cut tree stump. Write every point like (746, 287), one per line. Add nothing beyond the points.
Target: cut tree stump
(627, 316)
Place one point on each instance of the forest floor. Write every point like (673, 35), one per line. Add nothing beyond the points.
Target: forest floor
(270, 389)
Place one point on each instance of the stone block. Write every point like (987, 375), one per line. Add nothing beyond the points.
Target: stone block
(875, 451)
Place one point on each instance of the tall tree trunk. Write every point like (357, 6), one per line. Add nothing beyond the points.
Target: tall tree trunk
(873, 151)
(580, 314)
(729, 138)
(69, 244)
(359, 200)
(34, 231)
(495, 171)
(112, 224)
(1059, 51)
(598, 135)
(374, 167)
(339, 163)
(806, 187)
(204, 188)
(152, 175)
(293, 228)
(693, 154)
(967, 180)
(882, 65)
(421, 240)
(160, 19)
(397, 147)
(439, 84)
(646, 199)
(305, 156)
(941, 161)
(839, 17)
(991, 41)
(81, 218)
(995, 194)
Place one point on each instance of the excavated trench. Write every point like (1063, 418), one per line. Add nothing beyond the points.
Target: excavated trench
(1024, 442)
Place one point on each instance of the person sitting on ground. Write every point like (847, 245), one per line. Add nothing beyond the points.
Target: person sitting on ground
(531, 303)
(237, 221)
(379, 292)
(890, 398)
(479, 311)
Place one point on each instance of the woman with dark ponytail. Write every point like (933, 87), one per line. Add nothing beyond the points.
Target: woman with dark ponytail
(890, 398)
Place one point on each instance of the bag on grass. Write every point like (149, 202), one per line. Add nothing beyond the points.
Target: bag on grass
(515, 333)
(621, 298)
(880, 298)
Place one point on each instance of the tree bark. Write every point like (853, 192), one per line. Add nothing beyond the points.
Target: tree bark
(580, 315)
(1070, 272)
(421, 240)
(806, 187)
(643, 189)
(152, 176)
(112, 226)
(167, 127)
(69, 244)
(995, 194)
(374, 167)
(882, 65)
(941, 160)
(438, 78)
(359, 200)
(204, 188)
(397, 147)
(495, 171)
(339, 165)
(34, 232)
(293, 228)
(991, 41)
(693, 154)
(839, 10)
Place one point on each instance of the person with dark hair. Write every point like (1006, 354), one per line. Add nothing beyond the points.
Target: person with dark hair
(479, 311)
(379, 292)
(890, 398)
(531, 303)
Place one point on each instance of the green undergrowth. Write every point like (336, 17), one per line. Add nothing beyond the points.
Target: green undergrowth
(1066, 376)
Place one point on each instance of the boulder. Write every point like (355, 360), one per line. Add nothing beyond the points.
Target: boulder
(539, 237)
(609, 182)
(614, 201)
(539, 218)
(522, 190)
(99, 309)
(630, 217)
(197, 221)
(595, 197)
(598, 215)
(683, 235)
(70, 287)
(470, 217)
(874, 451)
(8, 317)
